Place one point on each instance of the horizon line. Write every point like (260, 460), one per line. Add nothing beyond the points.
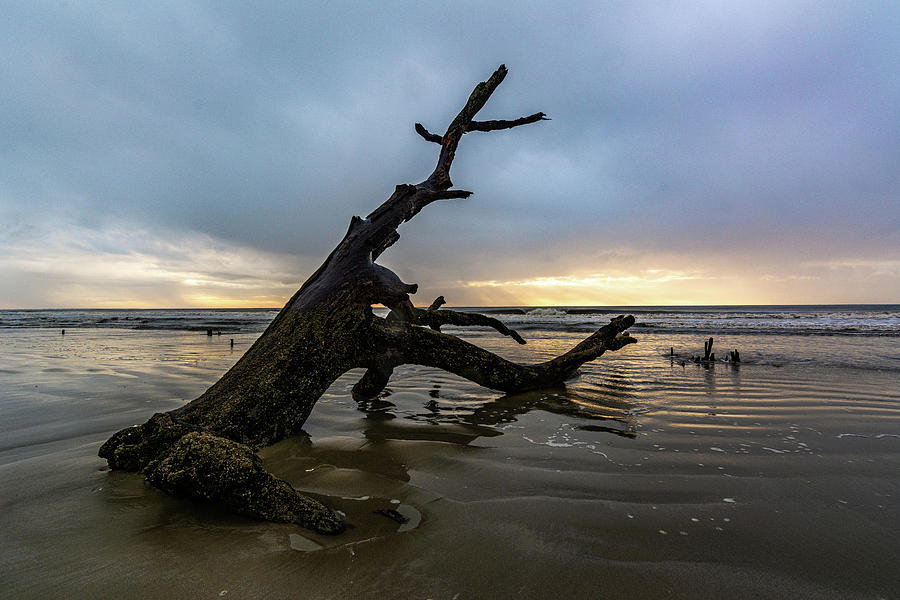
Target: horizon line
(611, 306)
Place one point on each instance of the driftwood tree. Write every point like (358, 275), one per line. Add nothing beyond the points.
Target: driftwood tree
(206, 449)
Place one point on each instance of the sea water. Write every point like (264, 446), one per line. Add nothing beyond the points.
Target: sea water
(647, 475)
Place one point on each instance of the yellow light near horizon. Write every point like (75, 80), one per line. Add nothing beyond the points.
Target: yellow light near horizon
(211, 301)
(646, 287)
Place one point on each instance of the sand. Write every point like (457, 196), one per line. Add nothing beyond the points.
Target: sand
(642, 479)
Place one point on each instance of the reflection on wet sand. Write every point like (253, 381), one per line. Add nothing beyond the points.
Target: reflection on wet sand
(368, 476)
(639, 479)
(612, 404)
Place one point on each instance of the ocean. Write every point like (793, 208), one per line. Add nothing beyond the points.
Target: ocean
(647, 475)
(862, 336)
(837, 319)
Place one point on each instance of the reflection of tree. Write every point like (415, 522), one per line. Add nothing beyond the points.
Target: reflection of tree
(377, 408)
(611, 404)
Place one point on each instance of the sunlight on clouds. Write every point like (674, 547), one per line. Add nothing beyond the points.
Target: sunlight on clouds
(878, 268)
(212, 301)
(594, 280)
(648, 286)
(722, 280)
(131, 268)
(127, 267)
(786, 278)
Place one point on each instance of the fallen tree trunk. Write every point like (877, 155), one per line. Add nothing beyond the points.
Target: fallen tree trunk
(206, 449)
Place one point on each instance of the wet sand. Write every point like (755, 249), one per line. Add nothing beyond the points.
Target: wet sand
(641, 479)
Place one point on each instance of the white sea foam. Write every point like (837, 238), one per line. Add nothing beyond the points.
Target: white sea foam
(546, 312)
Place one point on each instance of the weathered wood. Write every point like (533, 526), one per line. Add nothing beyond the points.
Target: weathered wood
(436, 318)
(438, 302)
(205, 449)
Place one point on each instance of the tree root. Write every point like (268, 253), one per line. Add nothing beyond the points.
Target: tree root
(207, 467)
(183, 461)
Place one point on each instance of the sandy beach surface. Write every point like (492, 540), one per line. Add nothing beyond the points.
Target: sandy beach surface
(643, 478)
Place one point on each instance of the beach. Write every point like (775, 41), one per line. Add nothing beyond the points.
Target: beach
(646, 476)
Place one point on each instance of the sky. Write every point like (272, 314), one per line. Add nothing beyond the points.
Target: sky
(200, 154)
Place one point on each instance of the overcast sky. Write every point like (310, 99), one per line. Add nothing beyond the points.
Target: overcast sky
(178, 154)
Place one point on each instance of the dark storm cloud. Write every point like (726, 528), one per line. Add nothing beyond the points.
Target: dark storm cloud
(768, 131)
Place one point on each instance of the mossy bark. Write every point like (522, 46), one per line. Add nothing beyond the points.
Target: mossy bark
(206, 449)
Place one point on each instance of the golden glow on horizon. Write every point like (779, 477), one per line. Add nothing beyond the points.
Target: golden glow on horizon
(645, 287)
(210, 301)
(597, 280)
(128, 268)
(124, 267)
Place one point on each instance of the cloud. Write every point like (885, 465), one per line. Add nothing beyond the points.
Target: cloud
(761, 133)
(124, 266)
(650, 277)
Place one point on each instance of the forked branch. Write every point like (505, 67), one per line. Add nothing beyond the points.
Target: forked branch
(437, 318)
(416, 345)
(463, 123)
(368, 238)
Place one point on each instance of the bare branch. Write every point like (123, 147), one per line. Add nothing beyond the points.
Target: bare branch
(380, 227)
(431, 137)
(374, 379)
(609, 337)
(414, 345)
(417, 345)
(368, 238)
(436, 318)
(431, 195)
(495, 125)
(438, 302)
(440, 177)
